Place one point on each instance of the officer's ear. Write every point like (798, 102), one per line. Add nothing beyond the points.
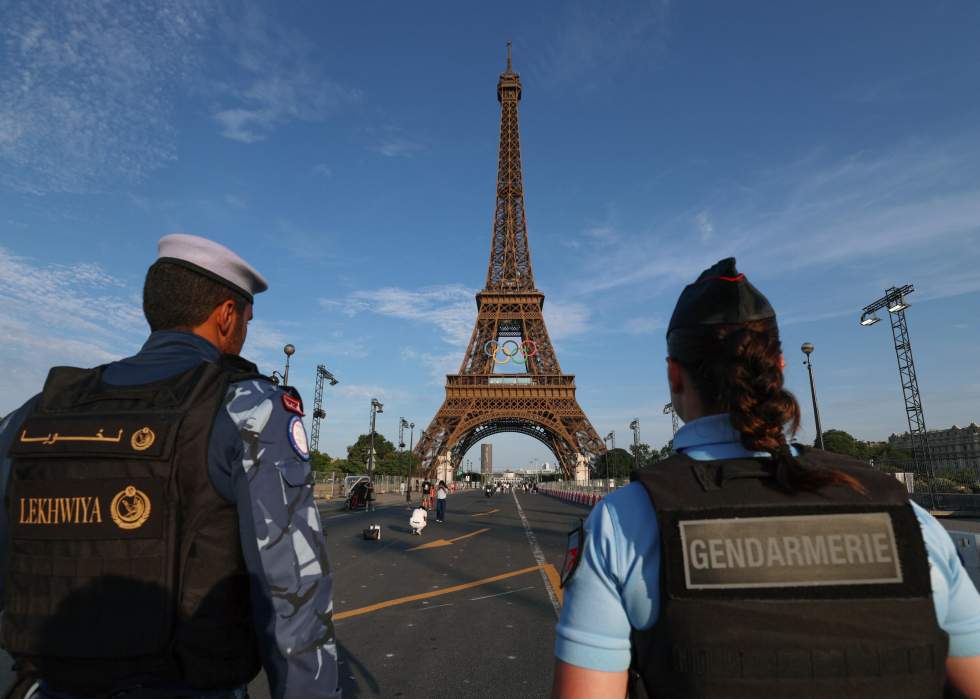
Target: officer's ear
(226, 317)
(676, 376)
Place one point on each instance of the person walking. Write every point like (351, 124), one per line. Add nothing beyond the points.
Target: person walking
(746, 566)
(163, 540)
(442, 492)
(427, 494)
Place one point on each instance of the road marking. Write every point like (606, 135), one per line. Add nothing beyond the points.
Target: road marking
(428, 595)
(482, 514)
(539, 557)
(501, 594)
(447, 542)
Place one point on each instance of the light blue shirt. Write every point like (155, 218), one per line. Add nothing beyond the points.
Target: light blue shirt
(616, 586)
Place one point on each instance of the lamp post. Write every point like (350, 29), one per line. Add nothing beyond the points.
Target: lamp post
(289, 351)
(894, 301)
(376, 407)
(635, 426)
(611, 438)
(807, 349)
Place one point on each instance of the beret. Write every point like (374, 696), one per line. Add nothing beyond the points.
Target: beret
(211, 260)
(721, 295)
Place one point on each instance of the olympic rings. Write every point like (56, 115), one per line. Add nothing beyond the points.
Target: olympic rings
(511, 349)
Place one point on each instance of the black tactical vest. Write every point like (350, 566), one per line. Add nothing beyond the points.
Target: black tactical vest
(770, 594)
(125, 563)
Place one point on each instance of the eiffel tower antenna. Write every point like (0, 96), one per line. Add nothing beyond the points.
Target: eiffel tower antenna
(510, 379)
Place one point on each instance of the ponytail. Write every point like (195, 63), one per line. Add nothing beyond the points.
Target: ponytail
(738, 369)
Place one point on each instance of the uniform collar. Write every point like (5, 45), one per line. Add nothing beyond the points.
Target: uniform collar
(711, 429)
(179, 341)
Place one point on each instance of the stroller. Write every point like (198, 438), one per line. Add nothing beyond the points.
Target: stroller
(357, 495)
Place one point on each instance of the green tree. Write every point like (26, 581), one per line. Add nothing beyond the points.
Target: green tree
(620, 464)
(357, 453)
(840, 442)
(320, 461)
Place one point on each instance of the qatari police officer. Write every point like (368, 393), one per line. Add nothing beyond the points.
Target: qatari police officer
(745, 566)
(161, 538)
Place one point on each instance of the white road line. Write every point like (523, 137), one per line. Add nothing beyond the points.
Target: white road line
(538, 556)
(501, 594)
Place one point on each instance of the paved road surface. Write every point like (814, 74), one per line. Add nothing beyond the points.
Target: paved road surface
(468, 615)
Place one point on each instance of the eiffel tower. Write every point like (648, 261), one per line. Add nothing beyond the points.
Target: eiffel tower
(538, 400)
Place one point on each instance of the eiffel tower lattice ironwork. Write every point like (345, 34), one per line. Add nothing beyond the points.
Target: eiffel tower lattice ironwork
(538, 401)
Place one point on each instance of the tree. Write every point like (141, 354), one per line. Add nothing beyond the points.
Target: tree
(620, 464)
(357, 453)
(840, 442)
(320, 461)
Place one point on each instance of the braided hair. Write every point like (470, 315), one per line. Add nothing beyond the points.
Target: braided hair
(737, 368)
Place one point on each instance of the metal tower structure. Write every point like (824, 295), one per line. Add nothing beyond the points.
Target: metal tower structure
(894, 302)
(318, 412)
(669, 410)
(510, 379)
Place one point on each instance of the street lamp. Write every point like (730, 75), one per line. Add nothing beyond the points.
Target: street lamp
(635, 426)
(376, 407)
(611, 437)
(807, 349)
(289, 351)
(894, 301)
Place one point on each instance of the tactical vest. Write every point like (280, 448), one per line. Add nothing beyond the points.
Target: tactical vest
(772, 594)
(125, 563)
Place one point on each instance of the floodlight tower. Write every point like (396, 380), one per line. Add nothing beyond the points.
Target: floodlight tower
(894, 301)
(635, 426)
(318, 412)
(669, 410)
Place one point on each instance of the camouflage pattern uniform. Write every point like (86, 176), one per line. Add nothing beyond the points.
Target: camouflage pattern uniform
(279, 517)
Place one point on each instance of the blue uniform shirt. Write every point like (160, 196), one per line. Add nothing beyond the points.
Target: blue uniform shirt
(251, 462)
(616, 586)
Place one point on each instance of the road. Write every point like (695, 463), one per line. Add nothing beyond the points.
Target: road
(465, 610)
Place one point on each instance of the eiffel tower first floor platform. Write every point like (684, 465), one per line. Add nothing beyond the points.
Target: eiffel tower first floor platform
(480, 405)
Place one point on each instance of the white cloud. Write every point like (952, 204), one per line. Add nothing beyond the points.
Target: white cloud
(565, 320)
(322, 169)
(282, 80)
(449, 307)
(645, 325)
(398, 148)
(913, 201)
(87, 92)
(705, 226)
(60, 314)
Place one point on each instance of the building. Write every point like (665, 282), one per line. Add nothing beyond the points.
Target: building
(486, 458)
(957, 447)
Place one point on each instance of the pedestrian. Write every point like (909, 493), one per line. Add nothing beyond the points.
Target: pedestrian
(746, 566)
(180, 542)
(427, 494)
(418, 520)
(401, 487)
(441, 493)
(369, 497)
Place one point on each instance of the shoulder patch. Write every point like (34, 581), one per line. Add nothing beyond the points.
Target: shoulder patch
(293, 405)
(298, 440)
(573, 554)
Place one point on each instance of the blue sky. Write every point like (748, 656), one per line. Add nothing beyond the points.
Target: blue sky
(349, 150)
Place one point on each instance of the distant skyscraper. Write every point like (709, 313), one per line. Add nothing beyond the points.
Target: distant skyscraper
(486, 458)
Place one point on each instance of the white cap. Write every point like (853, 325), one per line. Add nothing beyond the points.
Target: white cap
(213, 260)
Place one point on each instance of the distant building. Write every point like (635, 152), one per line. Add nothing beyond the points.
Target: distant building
(957, 447)
(486, 458)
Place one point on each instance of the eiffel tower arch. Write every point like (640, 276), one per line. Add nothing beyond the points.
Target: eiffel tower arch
(538, 399)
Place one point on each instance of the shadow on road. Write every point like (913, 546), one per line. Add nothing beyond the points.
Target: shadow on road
(348, 664)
